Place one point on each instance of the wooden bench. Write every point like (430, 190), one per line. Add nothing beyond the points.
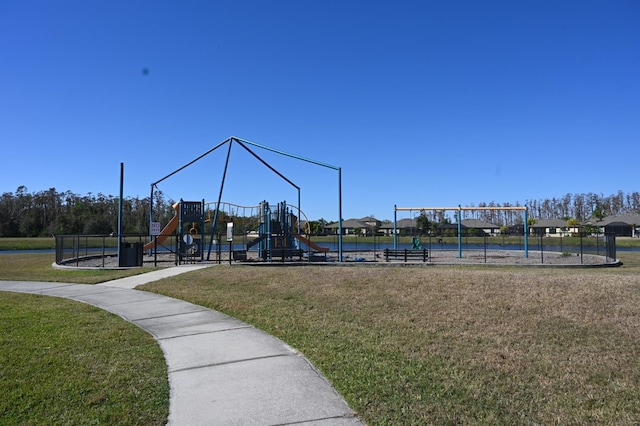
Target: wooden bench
(406, 254)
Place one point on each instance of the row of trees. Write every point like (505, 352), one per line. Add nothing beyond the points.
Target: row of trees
(45, 213)
(579, 207)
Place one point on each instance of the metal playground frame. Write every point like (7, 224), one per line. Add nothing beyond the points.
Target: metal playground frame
(243, 143)
(459, 211)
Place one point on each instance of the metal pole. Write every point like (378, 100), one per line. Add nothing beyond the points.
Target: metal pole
(459, 232)
(215, 216)
(526, 233)
(485, 248)
(269, 233)
(267, 164)
(300, 218)
(150, 211)
(191, 162)
(395, 227)
(374, 245)
(180, 227)
(339, 214)
(202, 232)
(120, 207)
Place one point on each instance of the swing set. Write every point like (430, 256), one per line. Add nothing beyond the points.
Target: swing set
(458, 210)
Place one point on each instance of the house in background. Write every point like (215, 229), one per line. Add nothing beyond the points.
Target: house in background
(366, 226)
(487, 228)
(621, 226)
(403, 227)
(473, 227)
(373, 224)
(469, 226)
(551, 228)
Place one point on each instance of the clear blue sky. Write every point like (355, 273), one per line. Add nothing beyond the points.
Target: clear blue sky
(421, 103)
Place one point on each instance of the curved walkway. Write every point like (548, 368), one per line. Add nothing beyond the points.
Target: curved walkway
(221, 371)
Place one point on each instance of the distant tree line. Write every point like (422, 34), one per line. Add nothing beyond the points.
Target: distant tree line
(46, 213)
(577, 207)
(574, 208)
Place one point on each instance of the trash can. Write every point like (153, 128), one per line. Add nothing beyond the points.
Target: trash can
(130, 255)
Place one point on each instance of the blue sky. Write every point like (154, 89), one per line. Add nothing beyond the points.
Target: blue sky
(421, 103)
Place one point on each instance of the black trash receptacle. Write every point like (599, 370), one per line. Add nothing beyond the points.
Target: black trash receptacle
(138, 249)
(130, 255)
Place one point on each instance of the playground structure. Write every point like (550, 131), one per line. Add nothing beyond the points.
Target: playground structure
(266, 233)
(279, 233)
(416, 242)
(243, 143)
(169, 229)
(278, 230)
(183, 226)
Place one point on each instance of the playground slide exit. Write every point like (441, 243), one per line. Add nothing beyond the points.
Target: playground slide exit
(167, 230)
(306, 240)
(310, 244)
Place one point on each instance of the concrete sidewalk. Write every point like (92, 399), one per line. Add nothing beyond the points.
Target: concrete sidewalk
(221, 371)
(136, 280)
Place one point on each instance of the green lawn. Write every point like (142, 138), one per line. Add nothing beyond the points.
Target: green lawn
(38, 267)
(415, 345)
(65, 362)
(450, 345)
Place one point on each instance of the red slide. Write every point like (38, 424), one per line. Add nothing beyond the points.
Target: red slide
(167, 230)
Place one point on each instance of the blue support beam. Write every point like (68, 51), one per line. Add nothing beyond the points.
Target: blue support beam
(459, 233)
(526, 234)
(395, 227)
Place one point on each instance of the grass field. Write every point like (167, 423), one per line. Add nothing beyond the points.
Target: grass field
(434, 345)
(450, 345)
(65, 362)
(38, 267)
